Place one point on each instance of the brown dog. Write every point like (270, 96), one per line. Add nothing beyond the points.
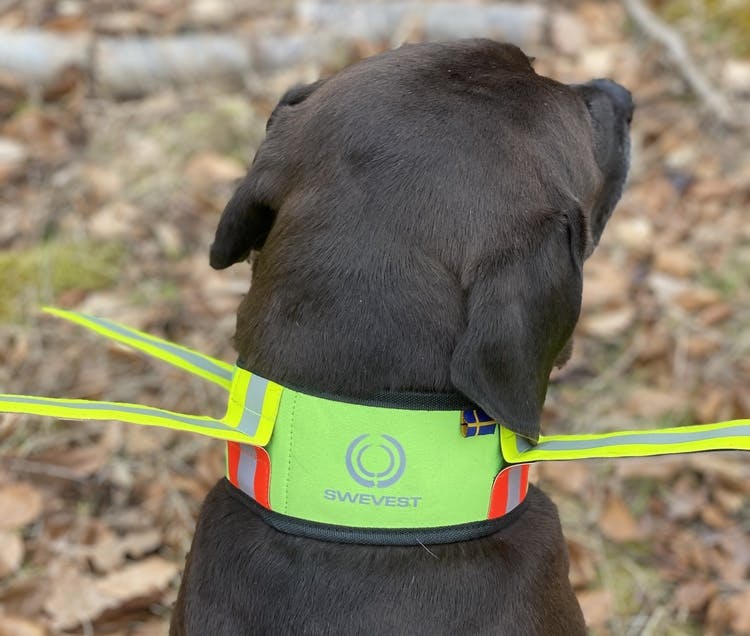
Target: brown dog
(421, 221)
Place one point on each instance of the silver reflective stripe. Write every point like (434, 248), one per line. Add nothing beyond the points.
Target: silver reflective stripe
(522, 444)
(190, 357)
(656, 439)
(256, 392)
(113, 406)
(253, 405)
(246, 468)
(514, 487)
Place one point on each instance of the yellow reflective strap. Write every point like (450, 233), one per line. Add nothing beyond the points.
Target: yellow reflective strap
(252, 409)
(253, 405)
(732, 435)
(132, 413)
(206, 367)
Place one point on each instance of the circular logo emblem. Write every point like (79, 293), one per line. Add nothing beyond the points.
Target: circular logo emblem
(375, 461)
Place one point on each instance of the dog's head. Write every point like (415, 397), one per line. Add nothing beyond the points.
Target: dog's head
(439, 199)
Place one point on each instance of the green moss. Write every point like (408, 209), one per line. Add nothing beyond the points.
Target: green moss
(229, 125)
(166, 291)
(38, 274)
(730, 278)
(721, 20)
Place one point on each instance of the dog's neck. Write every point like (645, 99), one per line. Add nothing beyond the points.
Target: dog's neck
(342, 471)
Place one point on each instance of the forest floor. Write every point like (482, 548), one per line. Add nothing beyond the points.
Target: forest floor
(109, 207)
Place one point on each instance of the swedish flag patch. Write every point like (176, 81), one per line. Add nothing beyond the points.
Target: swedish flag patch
(476, 422)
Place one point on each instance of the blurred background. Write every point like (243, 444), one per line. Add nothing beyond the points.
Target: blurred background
(124, 126)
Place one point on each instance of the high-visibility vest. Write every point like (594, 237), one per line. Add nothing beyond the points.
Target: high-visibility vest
(333, 462)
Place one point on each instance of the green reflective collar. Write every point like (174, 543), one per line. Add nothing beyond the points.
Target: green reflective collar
(373, 467)
(327, 461)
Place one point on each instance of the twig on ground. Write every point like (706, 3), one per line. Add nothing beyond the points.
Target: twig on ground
(21, 465)
(653, 27)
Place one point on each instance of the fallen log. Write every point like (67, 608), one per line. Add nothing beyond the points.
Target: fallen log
(133, 66)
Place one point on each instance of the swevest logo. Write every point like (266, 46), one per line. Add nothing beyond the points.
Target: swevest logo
(375, 463)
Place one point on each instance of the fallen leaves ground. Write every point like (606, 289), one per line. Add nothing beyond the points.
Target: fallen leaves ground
(109, 207)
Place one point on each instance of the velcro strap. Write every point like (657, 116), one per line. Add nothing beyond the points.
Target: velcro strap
(732, 435)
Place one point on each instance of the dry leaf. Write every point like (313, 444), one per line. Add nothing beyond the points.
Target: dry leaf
(570, 477)
(151, 628)
(596, 606)
(706, 189)
(654, 343)
(169, 238)
(604, 284)
(20, 503)
(710, 404)
(730, 500)
(739, 606)
(207, 169)
(686, 499)
(13, 157)
(701, 346)
(636, 234)
(18, 626)
(142, 440)
(736, 75)
(731, 468)
(653, 403)
(665, 287)
(609, 324)
(616, 521)
(74, 599)
(11, 552)
(118, 219)
(718, 616)
(138, 579)
(694, 298)
(715, 314)
(582, 570)
(694, 595)
(77, 598)
(103, 183)
(660, 468)
(84, 461)
(714, 517)
(43, 135)
(110, 552)
(675, 261)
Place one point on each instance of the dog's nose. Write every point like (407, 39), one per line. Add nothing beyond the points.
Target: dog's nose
(618, 94)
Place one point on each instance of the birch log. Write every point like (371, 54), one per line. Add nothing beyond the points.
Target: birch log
(132, 66)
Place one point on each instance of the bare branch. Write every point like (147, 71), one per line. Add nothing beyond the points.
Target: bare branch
(653, 27)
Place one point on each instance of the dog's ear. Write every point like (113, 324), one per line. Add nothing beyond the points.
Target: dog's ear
(295, 95)
(244, 224)
(522, 307)
(248, 217)
(610, 108)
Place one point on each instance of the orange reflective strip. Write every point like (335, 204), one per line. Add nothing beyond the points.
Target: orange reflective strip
(262, 476)
(508, 490)
(233, 460)
(249, 469)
